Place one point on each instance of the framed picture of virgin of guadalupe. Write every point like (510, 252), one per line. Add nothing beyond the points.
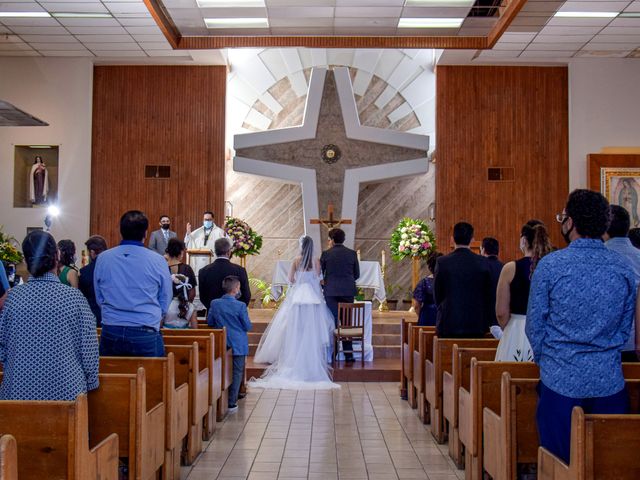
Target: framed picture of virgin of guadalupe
(621, 186)
(35, 176)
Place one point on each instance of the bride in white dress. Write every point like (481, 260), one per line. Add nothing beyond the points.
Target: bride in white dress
(296, 342)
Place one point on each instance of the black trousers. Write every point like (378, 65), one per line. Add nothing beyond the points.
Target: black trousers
(332, 303)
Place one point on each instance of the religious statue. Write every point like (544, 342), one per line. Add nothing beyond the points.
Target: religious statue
(628, 198)
(38, 182)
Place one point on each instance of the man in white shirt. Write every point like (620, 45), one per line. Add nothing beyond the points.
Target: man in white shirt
(203, 238)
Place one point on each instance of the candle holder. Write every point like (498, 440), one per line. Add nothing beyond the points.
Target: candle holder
(383, 267)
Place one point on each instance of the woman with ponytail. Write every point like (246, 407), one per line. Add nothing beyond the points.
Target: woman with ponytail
(512, 295)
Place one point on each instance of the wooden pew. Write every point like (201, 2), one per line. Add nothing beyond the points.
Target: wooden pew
(406, 358)
(484, 391)
(510, 434)
(8, 458)
(188, 369)
(460, 376)
(161, 386)
(421, 347)
(603, 447)
(53, 441)
(215, 366)
(434, 370)
(121, 405)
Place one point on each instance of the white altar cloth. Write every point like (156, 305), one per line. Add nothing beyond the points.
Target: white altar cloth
(370, 277)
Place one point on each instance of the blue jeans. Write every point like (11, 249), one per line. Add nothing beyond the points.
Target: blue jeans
(238, 374)
(553, 416)
(117, 341)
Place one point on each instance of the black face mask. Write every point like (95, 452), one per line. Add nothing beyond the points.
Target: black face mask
(566, 235)
(165, 226)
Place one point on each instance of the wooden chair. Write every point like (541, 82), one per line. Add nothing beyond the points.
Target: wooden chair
(120, 405)
(52, 440)
(188, 369)
(460, 376)
(406, 357)
(350, 327)
(8, 458)
(433, 373)
(510, 435)
(484, 391)
(161, 387)
(603, 447)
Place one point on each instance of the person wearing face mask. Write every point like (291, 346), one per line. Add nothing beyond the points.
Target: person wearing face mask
(203, 238)
(581, 307)
(512, 295)
(160, 238)
(68, 272)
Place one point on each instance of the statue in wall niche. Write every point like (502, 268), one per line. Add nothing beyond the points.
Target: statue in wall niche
(38, 182)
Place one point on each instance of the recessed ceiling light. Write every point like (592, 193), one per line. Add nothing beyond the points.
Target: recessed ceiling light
(430, 22)
(586, 14)
(439, 3)
(230, 3)
(81, 15)
(25, 14)
(236, 22)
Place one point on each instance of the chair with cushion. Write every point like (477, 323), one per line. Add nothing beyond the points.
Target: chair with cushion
(350, 327)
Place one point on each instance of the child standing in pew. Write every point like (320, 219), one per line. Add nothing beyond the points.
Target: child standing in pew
(231, 313)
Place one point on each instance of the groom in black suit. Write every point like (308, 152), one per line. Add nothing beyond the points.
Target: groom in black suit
(340, 269)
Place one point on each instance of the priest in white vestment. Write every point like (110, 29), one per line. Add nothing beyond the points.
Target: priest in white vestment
(202, 238)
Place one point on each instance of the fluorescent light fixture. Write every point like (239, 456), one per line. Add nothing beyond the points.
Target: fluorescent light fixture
(230, 3)
(25, 14)
(430, 22)
(39, 146)
(439, 3)
(80, 15)
(630, 14)
(236, 22)
(586, 14)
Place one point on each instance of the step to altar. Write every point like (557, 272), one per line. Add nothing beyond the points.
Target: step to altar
(385, 328)
(379, 370)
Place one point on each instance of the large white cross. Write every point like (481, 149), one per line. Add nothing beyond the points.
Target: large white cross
(254, 155)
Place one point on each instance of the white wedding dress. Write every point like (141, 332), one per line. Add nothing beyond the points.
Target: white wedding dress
(296, 342)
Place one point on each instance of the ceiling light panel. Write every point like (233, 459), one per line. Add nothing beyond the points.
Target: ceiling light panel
(439, 3)
(573, 14)
(236, 22)
(81, 15)
(230, 3)
(12, 14)
(430, 22)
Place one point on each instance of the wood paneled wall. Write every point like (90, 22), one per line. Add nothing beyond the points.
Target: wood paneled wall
(501, 117)
(157, 115)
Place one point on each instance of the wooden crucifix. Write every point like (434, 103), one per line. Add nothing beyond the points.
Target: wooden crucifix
(330, 222)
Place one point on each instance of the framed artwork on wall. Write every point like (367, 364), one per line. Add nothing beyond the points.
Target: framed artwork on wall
(35, 175)
(621, 186)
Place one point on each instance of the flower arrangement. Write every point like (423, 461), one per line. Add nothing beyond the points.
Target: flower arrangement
(412, 238)
(245, 240)
(8, 251)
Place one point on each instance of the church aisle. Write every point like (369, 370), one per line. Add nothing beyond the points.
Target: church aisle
(363, 431)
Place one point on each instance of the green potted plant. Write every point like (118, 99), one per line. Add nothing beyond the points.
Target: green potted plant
(9, 252)
(263, 290)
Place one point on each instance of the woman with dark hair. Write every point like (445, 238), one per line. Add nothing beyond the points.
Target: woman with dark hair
(512, 295)
(48, 343)
(181, 313)
(423, 301)
(67, 264)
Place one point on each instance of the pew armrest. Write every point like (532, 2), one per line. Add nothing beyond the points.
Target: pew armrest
(464, 417)
(551, 467)
(105, 455)
(181, 415)
(449, 406)
(494, 447)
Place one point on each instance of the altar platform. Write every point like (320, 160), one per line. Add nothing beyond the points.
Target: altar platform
(385, 366)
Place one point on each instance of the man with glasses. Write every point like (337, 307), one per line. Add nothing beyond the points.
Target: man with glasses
(581, 306)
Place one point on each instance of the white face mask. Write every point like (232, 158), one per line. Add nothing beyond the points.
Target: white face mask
(208, 223)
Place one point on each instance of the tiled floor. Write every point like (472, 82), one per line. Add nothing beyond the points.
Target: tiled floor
(362, 431)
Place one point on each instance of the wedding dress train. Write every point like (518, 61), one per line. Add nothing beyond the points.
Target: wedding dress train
(296, 342)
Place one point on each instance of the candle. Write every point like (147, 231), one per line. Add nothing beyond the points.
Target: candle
(358, 255)
(383, 259)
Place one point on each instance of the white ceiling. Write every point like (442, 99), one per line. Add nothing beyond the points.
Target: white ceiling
(130, 34)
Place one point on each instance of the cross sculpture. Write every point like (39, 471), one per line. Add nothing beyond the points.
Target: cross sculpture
(330, 222)
(331, 154)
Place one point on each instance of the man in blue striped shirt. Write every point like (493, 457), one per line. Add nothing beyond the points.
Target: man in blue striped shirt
(581, 306)
(133, 289)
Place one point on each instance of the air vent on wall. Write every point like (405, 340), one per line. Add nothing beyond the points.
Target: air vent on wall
(157, 171)
(500, 174)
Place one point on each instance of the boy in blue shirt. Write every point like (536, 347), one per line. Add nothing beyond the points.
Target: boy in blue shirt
(231, 313)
